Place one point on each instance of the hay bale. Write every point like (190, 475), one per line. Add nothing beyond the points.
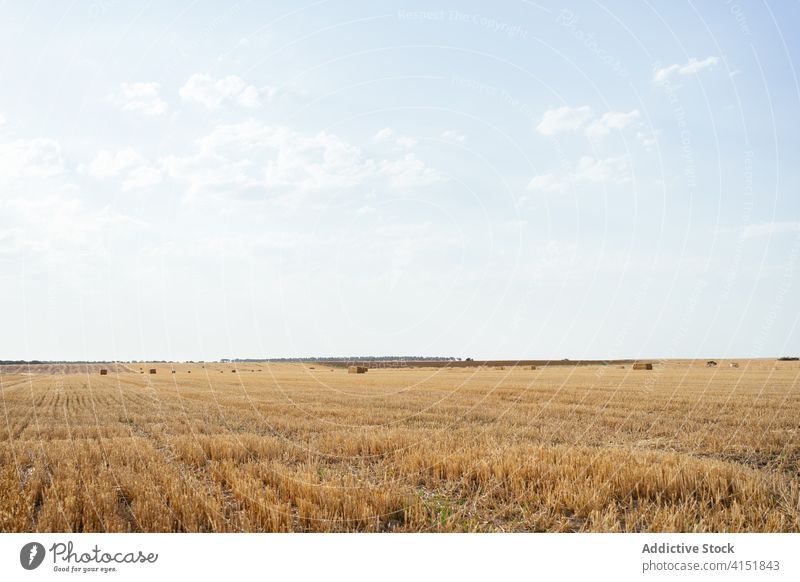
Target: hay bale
(711, 364)
(643, 366)
(152, 370)
(356, 369)
(533, 367)
(104, 372)
(734, 364)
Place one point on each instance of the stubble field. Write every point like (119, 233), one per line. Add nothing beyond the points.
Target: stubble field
(284, 447)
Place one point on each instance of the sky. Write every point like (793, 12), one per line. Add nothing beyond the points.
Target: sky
(202, 180)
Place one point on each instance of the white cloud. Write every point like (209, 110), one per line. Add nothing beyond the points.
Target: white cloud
(602, 171)
(588, 170)
(30, 158)
(141, 97)
(769, 229)
(106, 165)
(693, 66)
(142, 177)
(601, 127)
(383, 135)
(563, 119)
(128, 164)
(58, 222)
(406, 142)
(453, 136)
(575, 118)
(409, 172)
(208, 170)
(648, 139)
(252, 155)
(2, 120)
(548, 183)
(314, 162)
(387, 134)
(212, 93)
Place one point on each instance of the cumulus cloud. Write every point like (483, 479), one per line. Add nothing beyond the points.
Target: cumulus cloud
(141, 97)
(563, 119)
(208, 171)
(128, 164)
(601, 127)
(253, 155)
(212, 93)
(142, 177)
(612, 170)
(314, 162)
(588, 170)
(693, 66)
(388, 135)
(107, 164)
(30, 158)
(453, 136)
(648, 138)
(406, 142)
(57, 220)
(409, 172)
(384, 135)
(574, 118)
(548, 183)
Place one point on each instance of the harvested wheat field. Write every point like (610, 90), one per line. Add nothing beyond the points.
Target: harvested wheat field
(292, 447)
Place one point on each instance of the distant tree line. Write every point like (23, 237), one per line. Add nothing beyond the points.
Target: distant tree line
(353, 358)
(42, 362)
(39, 362)
(304, 359)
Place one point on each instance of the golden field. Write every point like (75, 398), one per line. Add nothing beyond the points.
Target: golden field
(306, 447)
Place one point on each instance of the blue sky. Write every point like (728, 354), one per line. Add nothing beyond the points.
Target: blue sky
(515, 180)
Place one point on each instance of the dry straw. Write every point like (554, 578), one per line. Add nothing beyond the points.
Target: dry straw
(413, 452)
